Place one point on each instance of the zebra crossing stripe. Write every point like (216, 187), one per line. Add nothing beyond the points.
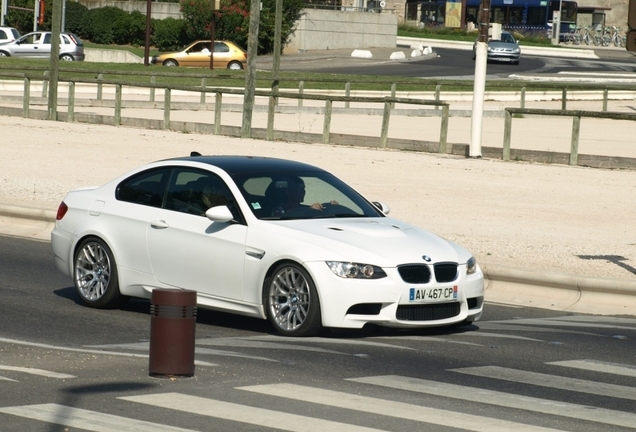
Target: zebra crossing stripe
(551, 381)
(598, 366)
(507, 400)
(86, 420)
(391, 408)
(40, 372)
(244, 414)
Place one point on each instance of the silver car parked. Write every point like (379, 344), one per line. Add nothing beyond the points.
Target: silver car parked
(8, 34)
(38, 45)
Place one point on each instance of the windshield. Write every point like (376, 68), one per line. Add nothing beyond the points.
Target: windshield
(507, 37)
(302, 195)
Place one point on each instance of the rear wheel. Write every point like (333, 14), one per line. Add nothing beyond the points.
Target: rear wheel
(235, 65)
(66, 57)
(95, 275)
(291, 301)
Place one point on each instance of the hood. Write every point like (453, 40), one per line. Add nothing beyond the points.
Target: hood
(385, 242)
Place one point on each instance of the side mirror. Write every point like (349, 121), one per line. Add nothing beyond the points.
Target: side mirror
(219, 214)
(384, 208)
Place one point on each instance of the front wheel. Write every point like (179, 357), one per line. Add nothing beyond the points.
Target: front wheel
(95, 275)
(3, 54)
(170, 63)
(291, 301)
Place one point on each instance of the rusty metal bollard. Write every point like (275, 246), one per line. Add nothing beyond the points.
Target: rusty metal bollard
(172, 326)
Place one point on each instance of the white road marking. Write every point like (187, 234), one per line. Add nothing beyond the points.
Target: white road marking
(86, 420)
(598, 366)
(494, 335)
(427, 339)
(329, 341)
(250, 343)
(40, 372)
(508, 400)
(392, 409)
(551, 381)
(280, 420)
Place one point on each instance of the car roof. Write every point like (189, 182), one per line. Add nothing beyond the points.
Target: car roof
(236, 165)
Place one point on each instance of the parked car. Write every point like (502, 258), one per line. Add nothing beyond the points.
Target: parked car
(8, 34)
(505, 49)
(38, 45)
(267, 238)
(197, 54)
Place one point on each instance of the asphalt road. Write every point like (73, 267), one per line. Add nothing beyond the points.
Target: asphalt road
(446, 63)
(67, 367)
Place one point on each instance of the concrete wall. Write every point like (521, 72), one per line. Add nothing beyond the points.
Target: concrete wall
(320, 29)
(159, 10)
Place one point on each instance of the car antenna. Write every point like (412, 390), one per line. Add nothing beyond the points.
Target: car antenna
(194, 153)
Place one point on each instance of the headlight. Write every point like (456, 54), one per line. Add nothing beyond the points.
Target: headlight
(471, 265)
(516, 50)
(350, 270)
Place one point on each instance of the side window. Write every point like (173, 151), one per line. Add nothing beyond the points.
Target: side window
(220, 47)
(3, 35)
(47, 38)
(65, 39)
(146, 188)
(193, 191)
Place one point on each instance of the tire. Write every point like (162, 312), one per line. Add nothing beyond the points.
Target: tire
(291, 301)
(67, 57)
(4, 54)
(95, 275)
(235, 65)
(170, 63)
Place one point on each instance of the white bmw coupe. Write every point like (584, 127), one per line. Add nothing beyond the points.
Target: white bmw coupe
(262, 237)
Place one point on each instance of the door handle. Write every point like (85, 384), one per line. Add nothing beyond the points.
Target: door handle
(159, 224)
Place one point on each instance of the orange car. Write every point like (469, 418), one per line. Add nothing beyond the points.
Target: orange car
(197, 54)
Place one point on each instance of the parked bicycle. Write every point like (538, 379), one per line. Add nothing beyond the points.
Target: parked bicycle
(616, 38)
(585, 35)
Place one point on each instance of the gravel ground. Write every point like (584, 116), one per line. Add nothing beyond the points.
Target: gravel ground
(544, 217)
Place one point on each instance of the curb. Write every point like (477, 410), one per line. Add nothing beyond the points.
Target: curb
(507, 285)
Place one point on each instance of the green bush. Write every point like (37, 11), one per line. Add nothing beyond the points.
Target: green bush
(130, 29)
(100, 24)
(75, 18)
(169, 34)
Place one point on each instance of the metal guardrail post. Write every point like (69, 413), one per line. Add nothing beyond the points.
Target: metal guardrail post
(347, 93)
(100, 86)
(26, 98)
(384, 132)
(117, 104)
(327, 124)
(443, 133)
(507, 134)
(564, 99)
(71, 102)
(301, 90)
(574, 146)
(218, 100)
(203, 94)
(153, 81)
(523, 97)
(605, 97)
(166, 108)
(45, 84)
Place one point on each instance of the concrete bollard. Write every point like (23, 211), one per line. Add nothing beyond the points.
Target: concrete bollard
(172, 327)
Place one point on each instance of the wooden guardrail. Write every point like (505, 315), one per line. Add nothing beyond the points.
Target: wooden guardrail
(576, 125)
(387, 102)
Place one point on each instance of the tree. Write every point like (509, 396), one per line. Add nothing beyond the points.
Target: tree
(232, 21)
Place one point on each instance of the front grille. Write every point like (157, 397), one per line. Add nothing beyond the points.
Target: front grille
(445, 272)
(415, 273)
(429, 312)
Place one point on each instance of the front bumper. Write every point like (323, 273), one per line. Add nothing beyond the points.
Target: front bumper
(353, 303)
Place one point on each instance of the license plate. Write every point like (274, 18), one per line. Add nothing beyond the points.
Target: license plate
(432, 294)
